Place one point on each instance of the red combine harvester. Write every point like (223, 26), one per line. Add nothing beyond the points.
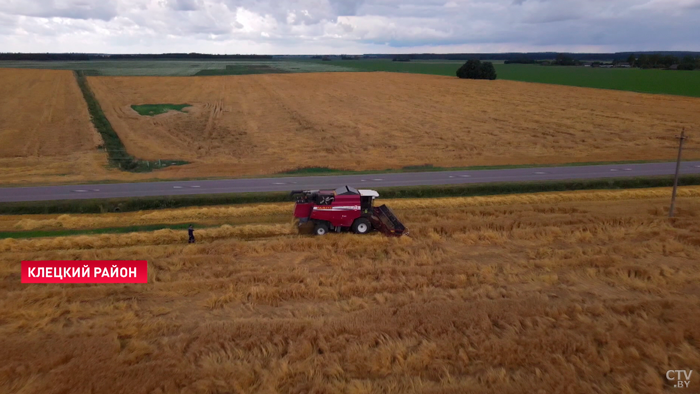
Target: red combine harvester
(345, 208)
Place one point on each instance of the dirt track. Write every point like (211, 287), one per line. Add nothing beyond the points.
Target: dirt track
(261, 124)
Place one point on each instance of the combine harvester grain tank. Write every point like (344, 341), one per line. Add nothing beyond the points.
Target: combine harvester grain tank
(345, 208)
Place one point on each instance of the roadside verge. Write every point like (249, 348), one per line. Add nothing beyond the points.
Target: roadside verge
(466, 190)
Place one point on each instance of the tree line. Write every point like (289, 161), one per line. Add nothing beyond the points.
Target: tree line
(654, 60)
(84, 57)
(658, 61)
(44, 56)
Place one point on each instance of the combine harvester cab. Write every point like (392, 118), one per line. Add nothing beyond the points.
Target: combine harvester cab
(345, 208)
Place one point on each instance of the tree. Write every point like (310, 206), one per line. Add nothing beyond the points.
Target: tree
(474, 69)
(655, 60)
(643, 61)
(688, 63)
(669, 60)
(631, 59)
(563, 60)
(488, 71)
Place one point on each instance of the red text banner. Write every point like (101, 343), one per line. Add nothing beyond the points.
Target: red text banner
(85, 271)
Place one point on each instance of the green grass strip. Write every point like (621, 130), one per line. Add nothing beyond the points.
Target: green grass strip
(111, 230)
(241, 69)
(157, 109)
(116, 151)
(465, 190)
(431, 168)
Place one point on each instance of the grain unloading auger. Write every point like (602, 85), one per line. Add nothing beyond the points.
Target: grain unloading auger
(345, 208)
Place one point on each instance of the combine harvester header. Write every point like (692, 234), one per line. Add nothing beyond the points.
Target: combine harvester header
(345, 208)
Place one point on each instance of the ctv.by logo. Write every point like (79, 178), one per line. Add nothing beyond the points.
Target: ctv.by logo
(681, 377)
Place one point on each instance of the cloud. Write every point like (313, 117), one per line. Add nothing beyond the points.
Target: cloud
(7, 24)
(71, 9)
(345, 7)
(183, 5)
(347, 26)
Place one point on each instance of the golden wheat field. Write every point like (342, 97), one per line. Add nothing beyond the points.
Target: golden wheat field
(262, 124)
(45, 129)
(549, 293)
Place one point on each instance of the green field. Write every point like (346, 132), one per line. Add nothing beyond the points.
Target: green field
(685, 83)
(243, 69)
(182, 68)
(157, 109)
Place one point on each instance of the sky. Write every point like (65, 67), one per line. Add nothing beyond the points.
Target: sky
(347, 26)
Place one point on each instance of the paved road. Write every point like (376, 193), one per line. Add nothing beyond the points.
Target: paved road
(47, 193)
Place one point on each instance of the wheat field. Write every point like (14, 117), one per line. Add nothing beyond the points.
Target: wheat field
(262, 124)
(561, 292)
(255, 125)
(45, 129)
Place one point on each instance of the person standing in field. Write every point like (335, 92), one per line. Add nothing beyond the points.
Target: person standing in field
(190, 232)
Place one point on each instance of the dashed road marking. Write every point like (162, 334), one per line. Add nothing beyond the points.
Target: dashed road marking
(540, 173)
(465, 176)
(195, 186)
(377, 179)
(613, 170)
(95, 190)
(177, 187)
(80, 191)
(279, 183)
(628, 169)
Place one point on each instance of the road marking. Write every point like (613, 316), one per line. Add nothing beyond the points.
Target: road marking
(613, 170)
(95, 190)
(177, 187)
(451, 176)
(697, 166)
(278, 183)
(465, 176)
(364, 180)
(377, 179)
(540, 173)
(195, 186)
(628, 169)
(80, 191)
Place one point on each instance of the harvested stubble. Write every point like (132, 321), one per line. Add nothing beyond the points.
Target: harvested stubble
(263, 124)
(45, 129)
(567, 296)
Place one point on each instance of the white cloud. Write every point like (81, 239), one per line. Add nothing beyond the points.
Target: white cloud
(72, 9)
(347, 26)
